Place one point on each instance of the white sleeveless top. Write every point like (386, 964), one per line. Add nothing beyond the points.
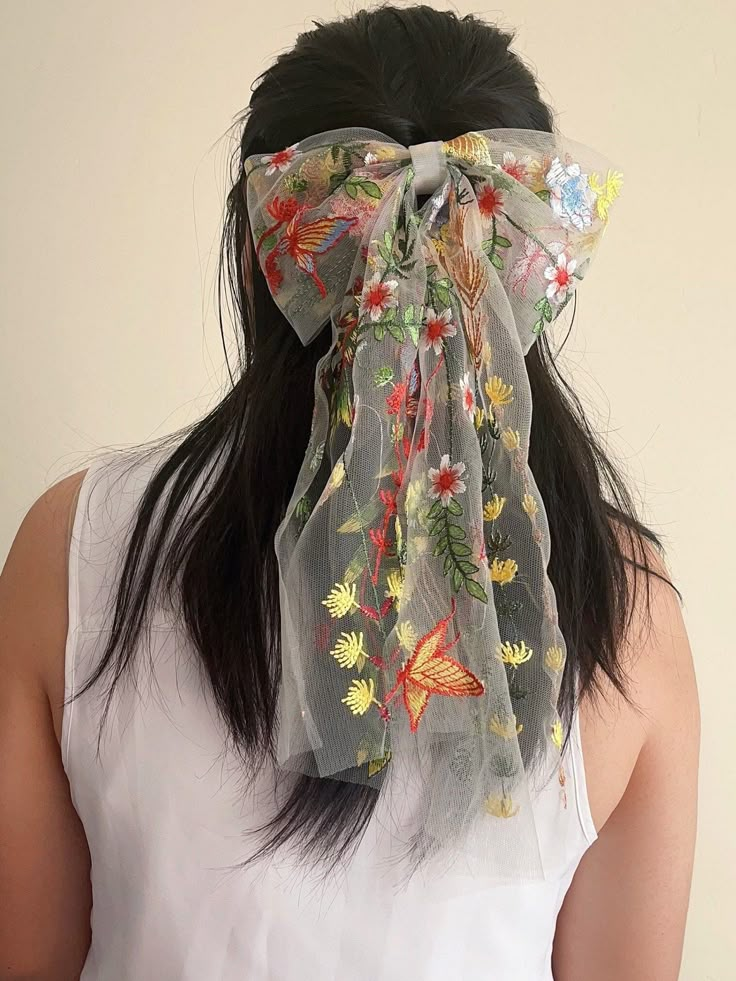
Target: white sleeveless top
(164, 809)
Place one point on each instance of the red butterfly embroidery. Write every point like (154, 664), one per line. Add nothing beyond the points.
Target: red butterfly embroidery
(429, 671)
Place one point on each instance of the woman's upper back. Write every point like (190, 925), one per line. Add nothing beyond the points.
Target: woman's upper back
(163, 811)
(166, 814)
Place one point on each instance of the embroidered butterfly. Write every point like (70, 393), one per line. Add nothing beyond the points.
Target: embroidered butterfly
(302, 240)
(429, 671)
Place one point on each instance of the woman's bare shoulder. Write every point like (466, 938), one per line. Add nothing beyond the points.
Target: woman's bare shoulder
(33, 592)
(626, 909)
(661, 687)
(44, 861)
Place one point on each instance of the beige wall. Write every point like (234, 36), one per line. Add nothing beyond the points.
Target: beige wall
(111, 189)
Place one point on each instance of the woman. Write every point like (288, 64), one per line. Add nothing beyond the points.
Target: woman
(176, 758)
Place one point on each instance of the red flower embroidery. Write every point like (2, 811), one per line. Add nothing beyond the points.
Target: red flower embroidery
(490, 201)
(279, 160)
(446, 482)
(395, 399)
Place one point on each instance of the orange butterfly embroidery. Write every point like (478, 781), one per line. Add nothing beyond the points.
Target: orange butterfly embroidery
(429, 671)
(304, 240)
(301, 240)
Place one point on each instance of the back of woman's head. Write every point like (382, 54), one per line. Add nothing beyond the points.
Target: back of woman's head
(415, 74)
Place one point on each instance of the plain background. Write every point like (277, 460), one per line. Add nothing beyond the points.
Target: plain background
(113, 176)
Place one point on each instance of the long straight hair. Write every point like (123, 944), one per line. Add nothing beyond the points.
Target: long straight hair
(204, 529)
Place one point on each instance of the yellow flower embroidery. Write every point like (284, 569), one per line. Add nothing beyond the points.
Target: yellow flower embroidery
(340, 600)
(529, 505)
(395, 583)
(440, 242)
(557, 733)
(407, 636)
(514, 654)
(607, 191)
(501, 807)
(360, 696)
(478, 416)
(505, 730)
(499, 392)
(503, 572)
(349, 651)
(510, 439)
(535, 173)
(555, 658)
(493, 508)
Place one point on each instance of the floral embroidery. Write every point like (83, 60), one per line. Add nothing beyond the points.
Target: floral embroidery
(504, 730)
(407, 636)
(571, 197)
(555, 658)
(501, 807)
(424, 366)
(490, 201)
(493, 508)
(446, 482)
(361, 695)
(560, 278)
(349, 650)
(438, 327)
(515, 167)
(395, 586)
(378, 296)
(498, 391)
(525, 265)
(503, 572)
(341, 600)
(280, 160)
(468, 397)
(510, 439)
(556, 734)
(514, 654)
(606, 192)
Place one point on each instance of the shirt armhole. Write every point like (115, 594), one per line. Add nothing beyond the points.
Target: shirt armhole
(581, 788)
(77, 541)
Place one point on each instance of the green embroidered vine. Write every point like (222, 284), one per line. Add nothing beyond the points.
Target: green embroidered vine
(451, 541)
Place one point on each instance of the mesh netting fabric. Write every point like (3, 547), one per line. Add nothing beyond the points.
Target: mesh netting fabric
(418, 619)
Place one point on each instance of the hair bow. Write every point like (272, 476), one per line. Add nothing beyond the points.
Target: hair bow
(416, 609)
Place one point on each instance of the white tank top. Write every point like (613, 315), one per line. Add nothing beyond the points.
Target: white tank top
(165, 811)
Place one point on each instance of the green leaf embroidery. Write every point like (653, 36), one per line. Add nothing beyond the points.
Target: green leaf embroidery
(396, 331)
(475, 589)
(451, 542)
(383, 376)
(371, 189)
